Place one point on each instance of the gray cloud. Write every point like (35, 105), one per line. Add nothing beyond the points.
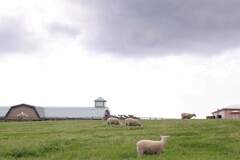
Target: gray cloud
(58, 30)
(14, 36)
(153, 27)
(130, 27)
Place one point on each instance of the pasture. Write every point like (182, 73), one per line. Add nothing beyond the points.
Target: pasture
(92, 140)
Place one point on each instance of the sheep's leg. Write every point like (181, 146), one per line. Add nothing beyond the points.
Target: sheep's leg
(159, 152)
(140, 154)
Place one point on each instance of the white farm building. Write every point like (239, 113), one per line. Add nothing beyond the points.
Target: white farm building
(35, 113)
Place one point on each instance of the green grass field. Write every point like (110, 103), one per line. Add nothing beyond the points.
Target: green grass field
(92, 140)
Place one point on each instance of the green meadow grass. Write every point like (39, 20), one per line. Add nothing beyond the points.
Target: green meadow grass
(92, 140)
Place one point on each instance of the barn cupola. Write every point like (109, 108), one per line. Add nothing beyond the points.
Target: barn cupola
(100, 102)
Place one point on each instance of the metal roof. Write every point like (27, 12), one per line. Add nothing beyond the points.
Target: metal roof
(3, 111)
(230, 107)
(40, 111)
(100, 99)
(235, 106)
(74, 112)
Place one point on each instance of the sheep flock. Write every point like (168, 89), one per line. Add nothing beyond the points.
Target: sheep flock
(145, 147)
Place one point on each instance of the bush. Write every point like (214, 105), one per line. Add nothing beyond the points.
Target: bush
(210, 117)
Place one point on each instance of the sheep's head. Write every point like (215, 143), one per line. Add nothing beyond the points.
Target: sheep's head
(139, 124)
(164, 137)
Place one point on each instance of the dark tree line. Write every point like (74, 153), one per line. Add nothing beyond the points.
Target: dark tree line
(123, 116)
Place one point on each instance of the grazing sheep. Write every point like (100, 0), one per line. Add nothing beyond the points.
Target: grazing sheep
(113, 121)
(132, 122)
(188, 115)
(151, 147)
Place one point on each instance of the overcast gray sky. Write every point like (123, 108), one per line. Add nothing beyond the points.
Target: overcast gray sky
(145, 57)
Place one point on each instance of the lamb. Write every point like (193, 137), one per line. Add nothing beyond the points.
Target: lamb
(151, 147)
(188, 115)
(113, 121)
(132, 122)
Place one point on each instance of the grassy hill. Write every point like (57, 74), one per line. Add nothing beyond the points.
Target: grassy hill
(92, 140)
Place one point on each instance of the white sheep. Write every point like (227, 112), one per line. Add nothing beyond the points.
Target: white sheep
(113, 121)
(132, 122)
(188, 115)
(151, 147)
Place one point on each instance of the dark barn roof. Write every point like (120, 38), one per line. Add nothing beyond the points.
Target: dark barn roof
(25, 105)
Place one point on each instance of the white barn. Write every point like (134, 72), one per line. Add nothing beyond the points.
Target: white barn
(30, 112)
(228, 112)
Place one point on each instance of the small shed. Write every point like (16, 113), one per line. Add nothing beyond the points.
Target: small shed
(229, 112)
